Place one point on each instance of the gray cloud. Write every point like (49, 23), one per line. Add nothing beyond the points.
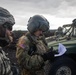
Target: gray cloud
(71, 2)
(53, 7)
(23, 9)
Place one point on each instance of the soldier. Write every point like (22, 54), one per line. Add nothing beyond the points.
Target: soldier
(32, 49)
(6, 23)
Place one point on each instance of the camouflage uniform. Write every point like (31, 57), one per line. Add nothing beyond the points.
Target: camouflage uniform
(31, 61)
(5, 68)
(6, 23)
(32, 48)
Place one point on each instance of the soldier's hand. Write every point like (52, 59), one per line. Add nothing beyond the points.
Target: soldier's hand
(48, 55)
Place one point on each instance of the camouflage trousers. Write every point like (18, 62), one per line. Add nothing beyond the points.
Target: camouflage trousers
(27, 72)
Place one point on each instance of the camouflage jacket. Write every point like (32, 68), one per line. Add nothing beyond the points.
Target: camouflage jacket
(29, 50)
(5, 68)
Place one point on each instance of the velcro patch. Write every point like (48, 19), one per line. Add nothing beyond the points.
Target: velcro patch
(22, 46)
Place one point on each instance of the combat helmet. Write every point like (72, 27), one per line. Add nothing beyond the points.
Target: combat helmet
(74, 22)
(6, 19)
(37, 22)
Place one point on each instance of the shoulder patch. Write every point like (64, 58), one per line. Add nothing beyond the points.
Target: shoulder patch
(21, 42)
(22, 46)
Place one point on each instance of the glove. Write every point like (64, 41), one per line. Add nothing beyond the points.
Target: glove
(48, 55)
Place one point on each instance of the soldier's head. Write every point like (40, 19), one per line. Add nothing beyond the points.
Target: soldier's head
(74, 22)
(6, 22)
(37, 24)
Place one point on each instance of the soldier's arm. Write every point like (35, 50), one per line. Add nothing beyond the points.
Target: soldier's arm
(2, 68)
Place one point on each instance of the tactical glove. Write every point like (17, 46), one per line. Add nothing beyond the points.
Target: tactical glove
(48, 55)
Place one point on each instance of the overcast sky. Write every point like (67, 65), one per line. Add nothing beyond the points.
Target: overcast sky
(57, 12)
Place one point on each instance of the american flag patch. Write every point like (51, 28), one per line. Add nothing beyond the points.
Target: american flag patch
(22, 46)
